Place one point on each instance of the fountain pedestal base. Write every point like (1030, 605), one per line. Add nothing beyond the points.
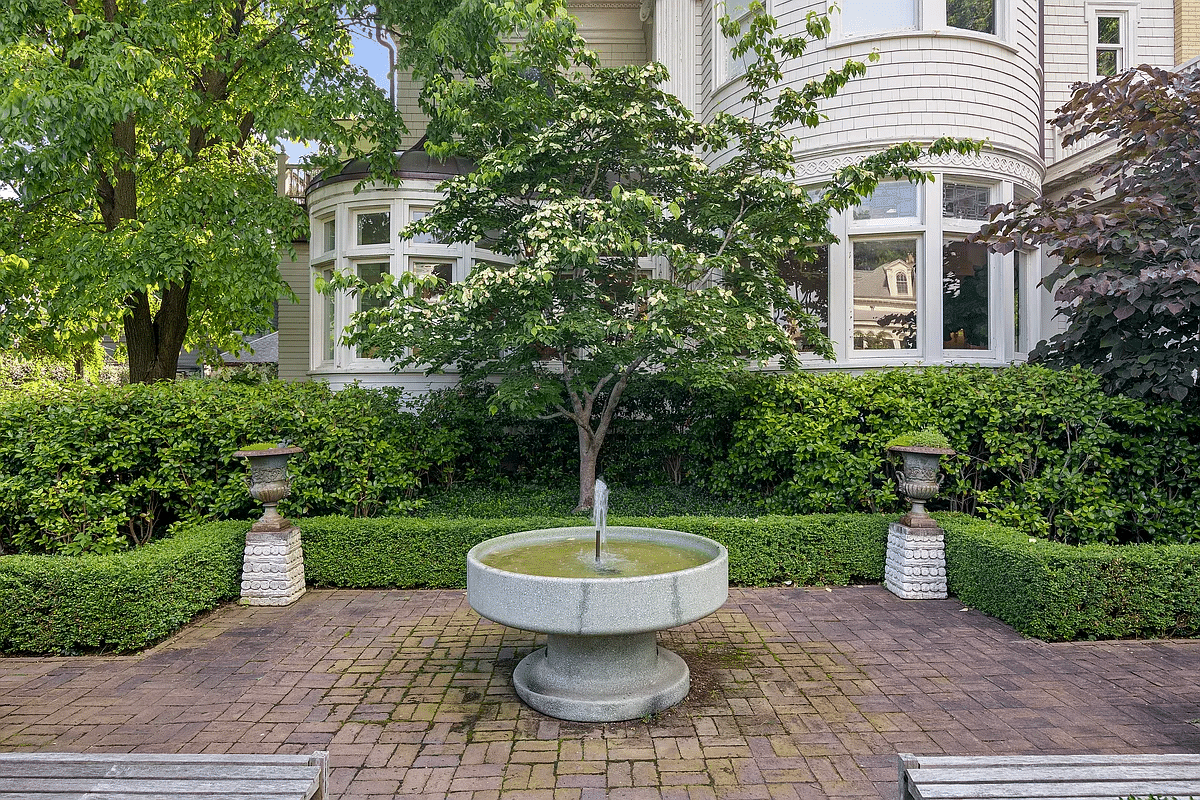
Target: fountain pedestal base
(601, 678)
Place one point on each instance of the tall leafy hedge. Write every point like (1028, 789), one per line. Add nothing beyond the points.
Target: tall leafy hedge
(121, 602)
(92, 470)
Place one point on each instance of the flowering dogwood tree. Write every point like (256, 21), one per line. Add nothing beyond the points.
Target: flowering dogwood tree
(641, 240)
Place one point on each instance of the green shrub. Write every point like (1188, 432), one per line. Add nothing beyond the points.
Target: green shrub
(93, 470)
(431, 553)
(121, 602)
(1060, 592)
(1046, 452)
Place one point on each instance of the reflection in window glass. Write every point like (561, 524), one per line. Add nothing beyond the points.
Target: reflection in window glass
(735, 67)
(972, 15)
(868, 16)
(416, 215)
(808, 284)
(1018, 265)
(963, 201)
(442, 270)
(329, 332)
(885, 305)
(374, 228)
(891, 200)
(372, 275)
(964, 296)
(329, 236)
(1109, 58)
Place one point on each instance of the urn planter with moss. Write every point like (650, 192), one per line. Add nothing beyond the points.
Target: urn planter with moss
(273, 561)
(916, 556)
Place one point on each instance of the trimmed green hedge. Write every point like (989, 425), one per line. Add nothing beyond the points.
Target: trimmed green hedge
(122, 602)
(431, 553)
(1059, 592)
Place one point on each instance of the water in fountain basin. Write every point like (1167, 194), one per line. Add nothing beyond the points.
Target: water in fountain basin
(576, 558)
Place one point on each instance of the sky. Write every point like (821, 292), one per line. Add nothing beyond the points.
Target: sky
(371, 56)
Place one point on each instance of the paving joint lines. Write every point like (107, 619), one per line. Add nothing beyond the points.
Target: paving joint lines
(799, 693)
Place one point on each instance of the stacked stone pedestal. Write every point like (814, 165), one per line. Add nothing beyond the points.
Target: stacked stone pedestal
(273, 566)
(916, 562)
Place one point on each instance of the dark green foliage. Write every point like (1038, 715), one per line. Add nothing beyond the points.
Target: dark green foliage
(93, 470)
(1044, 451)
(552, 501)
(431, 553)
(121, 602)
(1058, 592)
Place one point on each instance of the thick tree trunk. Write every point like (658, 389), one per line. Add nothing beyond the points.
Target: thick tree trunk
(154, 340)
(589, 453)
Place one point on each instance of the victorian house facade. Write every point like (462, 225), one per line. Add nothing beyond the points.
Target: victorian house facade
(900, 286)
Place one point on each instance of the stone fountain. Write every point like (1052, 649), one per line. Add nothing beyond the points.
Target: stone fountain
(600, 594)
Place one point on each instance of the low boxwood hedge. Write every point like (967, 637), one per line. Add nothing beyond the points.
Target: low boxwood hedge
(1059, 592)
(431, 553)
(122, 602)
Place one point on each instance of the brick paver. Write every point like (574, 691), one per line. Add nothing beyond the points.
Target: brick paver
(797, 693)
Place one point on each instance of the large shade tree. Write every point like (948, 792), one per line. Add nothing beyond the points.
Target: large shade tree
(137, 151)
(640, 239)
(1129, 250)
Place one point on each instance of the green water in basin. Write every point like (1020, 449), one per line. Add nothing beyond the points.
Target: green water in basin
(576, 558)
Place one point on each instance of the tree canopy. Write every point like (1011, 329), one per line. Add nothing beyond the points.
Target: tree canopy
(1129, 250)
(139, 139)
(634, 239)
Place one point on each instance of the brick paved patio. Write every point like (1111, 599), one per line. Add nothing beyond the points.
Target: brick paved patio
(797, 693)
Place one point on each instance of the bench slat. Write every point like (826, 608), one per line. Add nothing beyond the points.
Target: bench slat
(164, 758)
(127, 796)
(1010, 791)
(1066, 760)
(234, 788)
(1043, 777)
(1055, 772)
(148, 769)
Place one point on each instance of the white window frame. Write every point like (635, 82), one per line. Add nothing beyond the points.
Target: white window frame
(354, 248)
(930, 16)
(915, 292)
(352, 304)
(722, 45)
(1127, 12)
(953, 228)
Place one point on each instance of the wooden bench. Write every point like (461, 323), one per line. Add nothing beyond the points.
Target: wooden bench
(139, 776)
(1075, 777)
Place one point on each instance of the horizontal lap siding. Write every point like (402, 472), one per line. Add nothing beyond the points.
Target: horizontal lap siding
(293, 317)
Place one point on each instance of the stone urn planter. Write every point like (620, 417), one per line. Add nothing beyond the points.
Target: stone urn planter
(919, 480)
(915, 568)
(273, 562)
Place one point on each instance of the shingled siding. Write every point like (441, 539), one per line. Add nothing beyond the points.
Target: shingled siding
(293, 317)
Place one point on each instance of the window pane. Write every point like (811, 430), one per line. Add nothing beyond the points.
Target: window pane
(964, 296)
(374, 228)
(1106, 62)
(973, 15)
(442, 270)
(415, 215)
(1018, 265)
(866, 16)
(1108, 30)
(961, 201)
(891, 200)
(885, 302)
(808, 284)
(328, 334)
(372, 275)
(736, 66)
(330, 236)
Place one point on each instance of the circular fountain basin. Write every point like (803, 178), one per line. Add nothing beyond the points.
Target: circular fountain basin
(602, 662)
